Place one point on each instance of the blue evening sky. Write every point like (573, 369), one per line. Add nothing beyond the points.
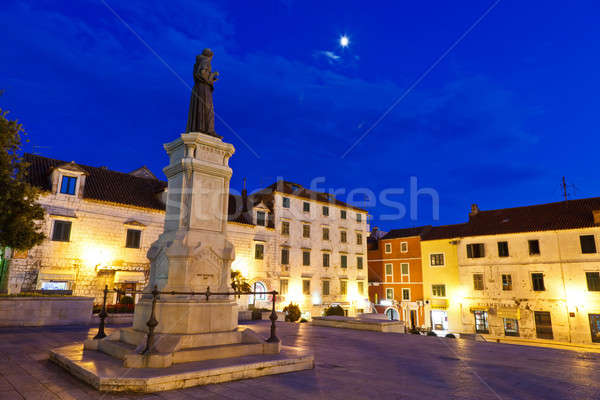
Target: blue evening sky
(509, 111)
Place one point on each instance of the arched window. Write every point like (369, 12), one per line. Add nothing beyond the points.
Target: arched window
(392, 313)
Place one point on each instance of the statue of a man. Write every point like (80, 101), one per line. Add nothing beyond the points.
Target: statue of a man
(201, 117)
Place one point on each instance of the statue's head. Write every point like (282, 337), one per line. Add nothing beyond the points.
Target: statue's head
(207, 53)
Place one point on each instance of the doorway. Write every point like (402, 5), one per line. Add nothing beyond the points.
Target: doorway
(439, 320)
(413, 319)
(543, 325)
(392, 314)
(595, 327)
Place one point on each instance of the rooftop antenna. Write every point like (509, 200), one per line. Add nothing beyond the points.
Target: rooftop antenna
(564, 188)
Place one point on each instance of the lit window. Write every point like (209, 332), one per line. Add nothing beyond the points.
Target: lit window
(506, 282)
(61, 231)
(306, 258)
(438, 290)
(343, 287)
(68, 184)
(436, 260)
(389, 294)
(406, 294)
(133, 239)
(477, 281)
(481, 322)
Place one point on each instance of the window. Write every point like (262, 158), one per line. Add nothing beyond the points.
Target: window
(326, 259)
(286, 202)
(404, 269)
(389, 294)
(343, 237)
(534, 247)
(506, 282)
(306, 258)
(358, 217)
(475, 250)
(61, 231)
(406, 294)
(55, 285)
(133, 239)
(588, 244)
(388, 248)
(361, 287)
(260, 218)
(404, 247)
(481, 322)
(343, 214)
(325, 211)
(388, 270)
(359, 262)
(511, 327)
(436, 260)
(283, 287)
(543, 325)
(306, 286)
(344, 261)
(306, 207)
(438, 290)
(325, 287)
(285, 228)
(593, 281)
(502, 249)
(259, 251)
(358, 238)
(325, 233)
(343, 287)
(477, 281)
(537, 282)
(306, 231)
(68, 184)
(285, 256)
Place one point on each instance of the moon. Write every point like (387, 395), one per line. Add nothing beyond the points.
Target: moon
(344, 41)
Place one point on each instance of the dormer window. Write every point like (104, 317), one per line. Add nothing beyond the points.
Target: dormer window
(68, 185)
(261, 218)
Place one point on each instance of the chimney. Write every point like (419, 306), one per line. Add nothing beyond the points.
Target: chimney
(596, 217)
(474, 210)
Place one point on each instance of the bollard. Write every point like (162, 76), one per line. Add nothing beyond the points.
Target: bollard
(273, 318)
(102, 315)
(152, 322)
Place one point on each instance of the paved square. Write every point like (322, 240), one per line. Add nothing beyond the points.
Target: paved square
(349, 365)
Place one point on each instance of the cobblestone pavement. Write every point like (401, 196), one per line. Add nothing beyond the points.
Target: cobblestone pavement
(349, 365)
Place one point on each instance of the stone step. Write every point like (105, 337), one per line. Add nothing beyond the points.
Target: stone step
(217, 352)
(116, 348)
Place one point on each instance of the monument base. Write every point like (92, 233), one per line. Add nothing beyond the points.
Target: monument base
(108, 374)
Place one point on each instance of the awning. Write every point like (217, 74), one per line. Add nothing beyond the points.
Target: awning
(508, 312)
(51, 274)
(439, 304)
(129, 276)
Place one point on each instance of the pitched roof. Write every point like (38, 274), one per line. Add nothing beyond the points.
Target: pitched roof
(542, 217)
(406, 232)
(101, 183)
(444, 232)
(295, 189)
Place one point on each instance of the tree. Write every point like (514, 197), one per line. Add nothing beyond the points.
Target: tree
(19, 210)
(239, 283)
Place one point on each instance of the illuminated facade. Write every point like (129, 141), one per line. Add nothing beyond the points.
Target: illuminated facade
(100, 224)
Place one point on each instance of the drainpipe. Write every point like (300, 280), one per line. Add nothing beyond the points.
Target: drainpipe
(562, 274)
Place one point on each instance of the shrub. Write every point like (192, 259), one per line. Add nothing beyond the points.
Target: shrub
(451, 336)
(126, 300)
(292, 312)
(334, 310)
(303, 320)
(431, 333)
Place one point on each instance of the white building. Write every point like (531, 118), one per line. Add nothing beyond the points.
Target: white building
(532, 272)
(99, 224)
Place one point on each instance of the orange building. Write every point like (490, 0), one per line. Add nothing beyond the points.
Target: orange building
(396, 276)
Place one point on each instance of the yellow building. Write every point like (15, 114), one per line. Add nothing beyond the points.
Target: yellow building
(441, 283)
